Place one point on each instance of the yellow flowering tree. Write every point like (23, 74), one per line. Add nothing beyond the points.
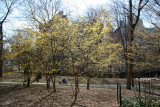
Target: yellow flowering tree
(23, 53)
(89, 44)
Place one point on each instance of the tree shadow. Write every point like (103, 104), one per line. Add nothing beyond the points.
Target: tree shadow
(74, 103)
(42, 99)
(14, 88)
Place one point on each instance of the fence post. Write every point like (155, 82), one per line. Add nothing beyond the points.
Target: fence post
(145, 87)
(117, 93)
(149, 86)
(139, 88)
(120, 96)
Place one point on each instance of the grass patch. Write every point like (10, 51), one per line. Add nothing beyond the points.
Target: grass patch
(8, 84)
(144, 101)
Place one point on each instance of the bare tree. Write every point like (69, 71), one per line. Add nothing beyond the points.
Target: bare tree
(153, 13)
(120, 19)
(95, 14)
(40, 12)
(132, 25)
(7, 6)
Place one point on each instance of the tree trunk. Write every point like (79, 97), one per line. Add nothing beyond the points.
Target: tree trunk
(76, 92)
(48, 81)
(131, 32)
(130, 59)
(126, 65)
(28, 81)
(54, 83)
(76, 86)
(132, 79)
(1, 49)
(88, 83)
(24, 80)
(130, 48)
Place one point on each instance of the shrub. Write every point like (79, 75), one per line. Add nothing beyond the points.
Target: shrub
(148, 101)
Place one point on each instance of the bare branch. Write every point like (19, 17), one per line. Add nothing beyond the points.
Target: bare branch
(157, 2)
(9, 7)
(139, 10)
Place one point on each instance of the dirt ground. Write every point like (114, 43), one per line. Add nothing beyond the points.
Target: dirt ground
(39, 96)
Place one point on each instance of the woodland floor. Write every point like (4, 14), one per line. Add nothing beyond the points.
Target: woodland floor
(39, 96)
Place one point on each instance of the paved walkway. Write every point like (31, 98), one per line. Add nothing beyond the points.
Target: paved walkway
(112, 86)
(91, 85)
